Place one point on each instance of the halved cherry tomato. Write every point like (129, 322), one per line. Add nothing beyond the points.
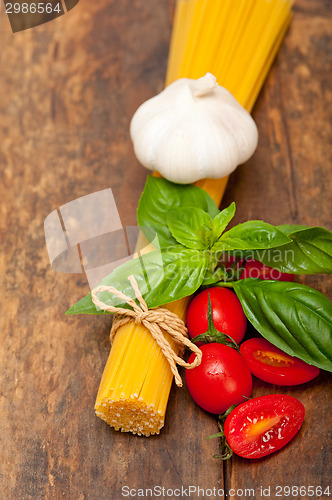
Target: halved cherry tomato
(272, 365)
(263, 425)
(221, 380)
(227, 313)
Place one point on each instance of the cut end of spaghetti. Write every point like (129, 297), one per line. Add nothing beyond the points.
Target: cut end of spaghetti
(130, 415)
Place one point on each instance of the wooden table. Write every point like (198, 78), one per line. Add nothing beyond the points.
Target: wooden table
(68, 91)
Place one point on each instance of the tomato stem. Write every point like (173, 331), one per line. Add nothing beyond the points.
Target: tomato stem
(214, 335)
(226, 284)
(225, 450)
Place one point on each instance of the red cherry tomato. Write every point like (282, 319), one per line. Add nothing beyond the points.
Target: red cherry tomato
(221, 380)
(255, 269)
(272, 365)
(227, 313)
(263, 425)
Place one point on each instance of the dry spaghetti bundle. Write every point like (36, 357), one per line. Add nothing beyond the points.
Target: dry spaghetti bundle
(237, 41)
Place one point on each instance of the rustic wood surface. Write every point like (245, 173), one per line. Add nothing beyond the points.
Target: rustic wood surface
(68, 90)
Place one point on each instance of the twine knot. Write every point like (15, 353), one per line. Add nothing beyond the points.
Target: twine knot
(155, 320)
(140, 317)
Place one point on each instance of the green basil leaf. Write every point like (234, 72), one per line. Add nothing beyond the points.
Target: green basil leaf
(253, 234)
(160, 195)
(184, 224)
(292, 228)
(85, 306)
(310, 252)
(215, 275)
(162, 277)
(294, 317)
(221, 221)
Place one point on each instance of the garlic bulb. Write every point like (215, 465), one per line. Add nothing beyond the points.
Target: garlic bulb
(192, 130)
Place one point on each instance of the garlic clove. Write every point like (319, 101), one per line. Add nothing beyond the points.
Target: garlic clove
(192, 130)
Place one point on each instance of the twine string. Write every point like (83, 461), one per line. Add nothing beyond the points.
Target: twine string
(155, 320)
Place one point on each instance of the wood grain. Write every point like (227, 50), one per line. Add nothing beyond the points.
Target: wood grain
(69, 89)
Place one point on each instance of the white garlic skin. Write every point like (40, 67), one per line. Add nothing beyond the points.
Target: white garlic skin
(192, 130)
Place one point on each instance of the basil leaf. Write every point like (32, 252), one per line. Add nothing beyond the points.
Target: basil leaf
(294, 317)
(292, 228)
(310, 252)
(221, 221)
(160, 195)
(85, 306)
(253, 234)
(184, 224)
(213, 276)
(162, 277)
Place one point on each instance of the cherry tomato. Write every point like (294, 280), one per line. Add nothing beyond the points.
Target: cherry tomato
(272, 365)
(227, 313)
(221, 380)
(255, 269)
(263, 425)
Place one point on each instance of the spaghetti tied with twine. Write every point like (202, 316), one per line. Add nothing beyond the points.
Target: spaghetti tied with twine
(155, 320)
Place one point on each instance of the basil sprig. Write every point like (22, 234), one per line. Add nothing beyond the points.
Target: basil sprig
(192, 247)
